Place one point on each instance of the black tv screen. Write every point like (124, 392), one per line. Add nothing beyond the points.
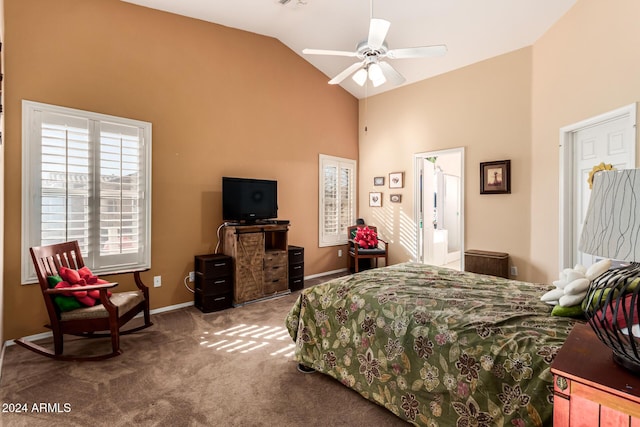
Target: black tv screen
(249, 200)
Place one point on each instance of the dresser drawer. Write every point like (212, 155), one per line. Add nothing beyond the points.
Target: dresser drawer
(214, 265)
(275, 285)
(273, 258)
(274, 272)
(296, 283)
(296, 254)
(213, 285)
(296, 270)
(208, 304)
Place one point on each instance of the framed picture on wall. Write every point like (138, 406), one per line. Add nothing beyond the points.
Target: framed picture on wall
(378, 180)
(495, 177)
(375, 199)
(396, 180)
(395, 198)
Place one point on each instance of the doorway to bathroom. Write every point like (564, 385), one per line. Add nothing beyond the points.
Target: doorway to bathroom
(439, 205)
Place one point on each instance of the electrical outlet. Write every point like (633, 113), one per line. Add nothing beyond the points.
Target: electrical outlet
(339, 252)
(192, 276)
(514, 270)
(157, 281)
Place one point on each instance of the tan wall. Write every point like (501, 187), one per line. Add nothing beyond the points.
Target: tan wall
(486, 109)
(511, 106)
(586, 65)
(221, 101)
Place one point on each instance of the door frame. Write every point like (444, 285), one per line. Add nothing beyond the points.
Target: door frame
(417, 197)
(567, 166)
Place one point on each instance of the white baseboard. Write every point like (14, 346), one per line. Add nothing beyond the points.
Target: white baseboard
(326, 273)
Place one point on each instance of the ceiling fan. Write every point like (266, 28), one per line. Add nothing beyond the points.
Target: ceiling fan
(371, 53)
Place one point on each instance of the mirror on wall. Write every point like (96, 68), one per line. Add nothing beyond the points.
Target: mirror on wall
(440, 207)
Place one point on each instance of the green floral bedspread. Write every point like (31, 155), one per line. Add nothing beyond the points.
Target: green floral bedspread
(434, 346)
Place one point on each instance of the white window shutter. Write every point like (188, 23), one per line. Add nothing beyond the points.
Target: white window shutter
(90, 180)
(337, 199)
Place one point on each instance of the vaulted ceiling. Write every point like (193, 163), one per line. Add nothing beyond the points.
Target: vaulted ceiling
(472, 30)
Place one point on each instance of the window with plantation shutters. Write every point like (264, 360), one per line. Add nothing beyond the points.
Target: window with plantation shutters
(86, 177)
(337, 199)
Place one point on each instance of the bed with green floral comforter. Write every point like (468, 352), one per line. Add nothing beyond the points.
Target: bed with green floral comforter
(434, 346)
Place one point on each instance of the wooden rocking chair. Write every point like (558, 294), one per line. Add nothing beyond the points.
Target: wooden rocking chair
(109, 314)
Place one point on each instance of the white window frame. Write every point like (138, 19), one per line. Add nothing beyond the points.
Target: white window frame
(32, 192)
(339, 237)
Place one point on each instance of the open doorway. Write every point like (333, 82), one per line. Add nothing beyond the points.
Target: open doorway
(439, 207)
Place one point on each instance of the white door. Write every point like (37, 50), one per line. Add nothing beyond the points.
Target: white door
(451, 218)
(609, 142)
(428, 212)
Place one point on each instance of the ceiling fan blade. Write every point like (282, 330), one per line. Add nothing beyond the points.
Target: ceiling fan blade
(391, 74)
(418, 52)
(344, 74)
(328, 52)
(377, 32)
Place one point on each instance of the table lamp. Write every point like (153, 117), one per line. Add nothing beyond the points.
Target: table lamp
(612, 230)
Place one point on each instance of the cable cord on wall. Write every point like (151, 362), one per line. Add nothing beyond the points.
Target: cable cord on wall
(187, 286)
(218, 236)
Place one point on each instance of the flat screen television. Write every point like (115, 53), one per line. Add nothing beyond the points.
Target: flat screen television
(249, 200)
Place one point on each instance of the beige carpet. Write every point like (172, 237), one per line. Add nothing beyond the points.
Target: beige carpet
(228, 368)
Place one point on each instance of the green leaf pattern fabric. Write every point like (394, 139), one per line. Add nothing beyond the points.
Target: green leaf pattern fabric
(436, 347)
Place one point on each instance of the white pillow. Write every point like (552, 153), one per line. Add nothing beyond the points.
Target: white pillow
(571, 300)
(598, 268)
(581, 268)
(553, 295)
(574, 275)
(577, 287)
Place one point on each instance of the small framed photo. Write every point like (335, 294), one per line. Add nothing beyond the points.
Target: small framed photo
(378, 180)
(375, 199)
(396, 180)
(395, 198)
(495, 177)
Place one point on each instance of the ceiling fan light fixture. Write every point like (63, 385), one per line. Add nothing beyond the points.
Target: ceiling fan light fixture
(376, 75)
(360, 77)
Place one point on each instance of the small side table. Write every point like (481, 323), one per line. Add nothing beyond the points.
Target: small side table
(590, 389)
(213, 282)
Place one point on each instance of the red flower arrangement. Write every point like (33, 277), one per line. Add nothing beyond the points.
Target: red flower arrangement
(366, 238)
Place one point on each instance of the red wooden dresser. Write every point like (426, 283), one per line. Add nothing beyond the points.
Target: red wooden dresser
(590, 389)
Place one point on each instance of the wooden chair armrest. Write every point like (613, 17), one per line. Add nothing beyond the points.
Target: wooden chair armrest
(81, 288)
(138, 280)
(126, 272)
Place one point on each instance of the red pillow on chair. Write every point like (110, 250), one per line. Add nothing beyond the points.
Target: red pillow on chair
(83, 276)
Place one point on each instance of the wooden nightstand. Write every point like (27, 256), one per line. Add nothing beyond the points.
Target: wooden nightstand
(590, 389)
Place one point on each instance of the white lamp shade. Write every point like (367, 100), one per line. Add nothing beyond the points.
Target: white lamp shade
(360, 76)
(376, 75)
(612, 225)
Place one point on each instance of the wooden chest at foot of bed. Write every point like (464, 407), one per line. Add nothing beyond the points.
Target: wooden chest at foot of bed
(486, 262)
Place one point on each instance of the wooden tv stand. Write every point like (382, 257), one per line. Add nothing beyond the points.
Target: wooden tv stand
(260, 260)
